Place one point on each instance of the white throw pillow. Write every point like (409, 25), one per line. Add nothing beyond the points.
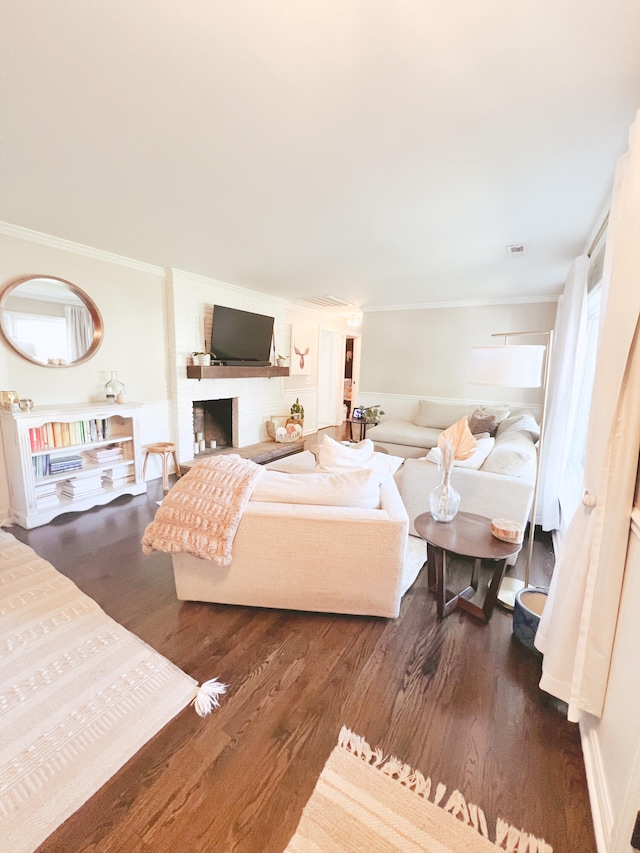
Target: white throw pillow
(334, 457)
(514, 455)
(523, 421)
(438, 415)
(351, 488)
(483, 449)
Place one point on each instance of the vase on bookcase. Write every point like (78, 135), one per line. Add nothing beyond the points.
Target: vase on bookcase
(114, 388)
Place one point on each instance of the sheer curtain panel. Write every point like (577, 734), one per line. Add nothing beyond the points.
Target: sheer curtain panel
(570, 330)
(577, 628)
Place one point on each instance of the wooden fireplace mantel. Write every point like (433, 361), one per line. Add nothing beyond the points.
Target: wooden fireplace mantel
(196, 371)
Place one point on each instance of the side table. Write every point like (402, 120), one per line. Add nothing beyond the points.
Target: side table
(467, 535)
(363, 427)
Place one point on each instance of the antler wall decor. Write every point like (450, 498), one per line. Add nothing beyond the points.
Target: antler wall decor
(301, 354)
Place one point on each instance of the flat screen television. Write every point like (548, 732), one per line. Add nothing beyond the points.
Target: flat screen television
(240, 337)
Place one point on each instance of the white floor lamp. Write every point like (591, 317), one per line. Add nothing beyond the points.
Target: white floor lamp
(516, 366)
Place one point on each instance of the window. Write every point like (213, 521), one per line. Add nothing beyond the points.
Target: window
(572, 485)
(38, 335)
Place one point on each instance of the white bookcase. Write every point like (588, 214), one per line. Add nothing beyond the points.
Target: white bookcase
(70, 458)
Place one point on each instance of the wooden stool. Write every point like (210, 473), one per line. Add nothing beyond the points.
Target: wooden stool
(164, 449)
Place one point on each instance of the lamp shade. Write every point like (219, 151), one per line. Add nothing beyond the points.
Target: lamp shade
(518, 366)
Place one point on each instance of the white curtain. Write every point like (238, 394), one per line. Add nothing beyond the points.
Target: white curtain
(79, 330)
(577, 628)
(570, 331)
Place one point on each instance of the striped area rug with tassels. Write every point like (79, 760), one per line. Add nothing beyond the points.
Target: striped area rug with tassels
(79, 695)
(366, 803)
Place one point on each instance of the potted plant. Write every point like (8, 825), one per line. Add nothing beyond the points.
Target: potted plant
(202, 358)
(372, 413)
(281, 360)
(297, 411)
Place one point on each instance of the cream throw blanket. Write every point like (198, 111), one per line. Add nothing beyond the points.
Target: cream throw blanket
(202, 511)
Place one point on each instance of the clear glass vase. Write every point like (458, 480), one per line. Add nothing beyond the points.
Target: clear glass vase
(114, 388)
(444, 500)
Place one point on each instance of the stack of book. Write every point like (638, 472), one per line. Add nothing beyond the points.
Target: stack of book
(103, 455)
(58, 464)
(46, 493)
(80, 488)
(117, 475)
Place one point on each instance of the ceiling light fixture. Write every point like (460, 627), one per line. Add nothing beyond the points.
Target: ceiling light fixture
(354, 319)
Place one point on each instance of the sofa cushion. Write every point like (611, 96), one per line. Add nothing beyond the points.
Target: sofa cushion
(333, 456)
(359, 489)
(523, 421)
(355, 454)
(514, 454)
(438, 415)
(396, 431)
(487, 418)
(483, 449)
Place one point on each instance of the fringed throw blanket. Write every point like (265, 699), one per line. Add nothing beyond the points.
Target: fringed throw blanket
(366, 803)
(201, 513)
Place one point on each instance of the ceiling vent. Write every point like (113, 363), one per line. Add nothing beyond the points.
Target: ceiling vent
(327, 301)
(516, 251)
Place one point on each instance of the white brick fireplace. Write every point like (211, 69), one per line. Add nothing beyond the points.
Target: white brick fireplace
(190, 299)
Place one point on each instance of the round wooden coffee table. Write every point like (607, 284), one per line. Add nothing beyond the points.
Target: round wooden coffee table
(469, 536)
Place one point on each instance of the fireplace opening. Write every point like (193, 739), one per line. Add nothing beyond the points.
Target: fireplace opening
(213, 422)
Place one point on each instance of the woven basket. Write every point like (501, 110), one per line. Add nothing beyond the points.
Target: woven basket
(273, 423)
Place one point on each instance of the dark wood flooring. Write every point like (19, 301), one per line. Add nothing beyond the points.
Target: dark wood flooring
(456, 699)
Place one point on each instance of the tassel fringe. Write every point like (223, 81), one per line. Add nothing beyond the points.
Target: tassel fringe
(507, 837)
(206, 698)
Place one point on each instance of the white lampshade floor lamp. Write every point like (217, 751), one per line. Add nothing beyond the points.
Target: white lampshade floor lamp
(516, 366)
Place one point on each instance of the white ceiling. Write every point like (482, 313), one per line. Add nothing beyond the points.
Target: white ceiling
(384, 151)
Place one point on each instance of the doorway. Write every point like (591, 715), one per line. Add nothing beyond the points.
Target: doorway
(351, 376)
(328, 367)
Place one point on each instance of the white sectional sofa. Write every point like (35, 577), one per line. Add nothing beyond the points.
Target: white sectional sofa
(413, 438)
(333, 559)
(349, 556)
(501, 487)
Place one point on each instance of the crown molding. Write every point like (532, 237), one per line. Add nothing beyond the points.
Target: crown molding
(198, 279)
(463, 303)
(21, 233)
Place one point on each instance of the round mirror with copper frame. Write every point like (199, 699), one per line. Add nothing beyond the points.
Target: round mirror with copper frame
(49, 321)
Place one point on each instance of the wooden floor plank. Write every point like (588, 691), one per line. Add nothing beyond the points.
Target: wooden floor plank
(455, 698)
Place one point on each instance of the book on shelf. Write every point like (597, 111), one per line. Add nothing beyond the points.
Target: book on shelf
(114, 478)
(68, 434)
(40, 465)
(63, 463)
(46, 494)
(80, 487)
(110, 453)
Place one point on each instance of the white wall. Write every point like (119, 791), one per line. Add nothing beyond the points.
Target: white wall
(612, 744)
(153, 320)
(131, 299)
(190, 299)
(412, 354)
